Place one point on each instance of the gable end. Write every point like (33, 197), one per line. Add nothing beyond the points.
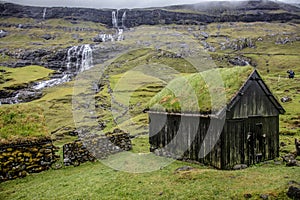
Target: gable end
(254, 98)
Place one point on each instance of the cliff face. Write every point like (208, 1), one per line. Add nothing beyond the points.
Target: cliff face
(186, 14)
(86, 14)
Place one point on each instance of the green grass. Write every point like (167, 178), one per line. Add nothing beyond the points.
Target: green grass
(32, 38)
(96, 181)
(134, 84)
(253, 30)
(15, 77)
(16, 21)
(135, 88)
(149, 56)
(57, 108)
(21, 121)
(140, 144)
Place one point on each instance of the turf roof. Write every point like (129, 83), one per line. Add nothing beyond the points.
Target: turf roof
(204, 92)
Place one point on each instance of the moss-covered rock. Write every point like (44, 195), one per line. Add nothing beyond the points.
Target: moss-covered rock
(26, 155)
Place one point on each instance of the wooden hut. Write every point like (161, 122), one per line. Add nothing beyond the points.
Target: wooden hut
(243, 130)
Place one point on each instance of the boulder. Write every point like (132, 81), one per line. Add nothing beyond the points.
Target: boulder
(285, 99)
(204, 34)
(3, 33)
(290, 160)
(293, 192)
(239, 61)
(28, 95)
(98, 39)
(264, 196)
(47, 36)
(240, 166)
(184, 168)
(297, 145)
(248, 196)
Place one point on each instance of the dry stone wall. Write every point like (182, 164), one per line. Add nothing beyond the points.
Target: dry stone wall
(76, 153)
(21, 157)
(96, 147)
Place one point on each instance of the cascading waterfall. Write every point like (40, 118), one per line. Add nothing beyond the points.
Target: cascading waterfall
(86, 58)
(118, 36)
(106, 37)
(114, 19)
(123, 19)
(79, 59)
(70, 53)
(52, 82)
(117, 18)
(115, 22)
(44, 13)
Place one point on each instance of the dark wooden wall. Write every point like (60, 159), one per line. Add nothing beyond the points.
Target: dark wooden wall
(249, 141)
(253, 102)
(184, 137)
(242, 141)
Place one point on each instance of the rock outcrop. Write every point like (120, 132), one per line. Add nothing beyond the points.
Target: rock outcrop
(248, 11)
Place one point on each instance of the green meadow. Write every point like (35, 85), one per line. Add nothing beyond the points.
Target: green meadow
(133, 88)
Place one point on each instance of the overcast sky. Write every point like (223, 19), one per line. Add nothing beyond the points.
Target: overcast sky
(109, 3)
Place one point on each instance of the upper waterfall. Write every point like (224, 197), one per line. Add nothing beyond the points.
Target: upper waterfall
(123, 19)
(44, 13)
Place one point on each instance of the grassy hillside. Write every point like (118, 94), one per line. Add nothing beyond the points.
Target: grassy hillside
(133, 89)
(63, 32)
(20, 77)
(21, 121)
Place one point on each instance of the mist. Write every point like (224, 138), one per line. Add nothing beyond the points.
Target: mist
(116, 3)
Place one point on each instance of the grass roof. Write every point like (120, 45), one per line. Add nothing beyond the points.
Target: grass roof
(21, 121)
(203, 92)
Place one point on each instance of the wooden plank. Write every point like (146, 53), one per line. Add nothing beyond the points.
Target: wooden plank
(254, 102)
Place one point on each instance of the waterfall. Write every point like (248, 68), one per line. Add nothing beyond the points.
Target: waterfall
(52, 82)
(79, 59)
(70, 53)
(114, 19)
(44, 13)
(120, 36)
(119, 32)
(78, 56)
(117, 18)
(106, 37)
(123, 19)
(86, 58)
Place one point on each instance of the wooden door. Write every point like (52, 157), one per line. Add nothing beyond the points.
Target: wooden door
(255, 139)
